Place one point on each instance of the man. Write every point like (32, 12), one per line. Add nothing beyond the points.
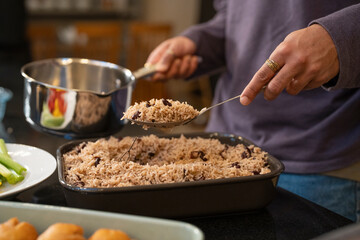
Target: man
(305, 56)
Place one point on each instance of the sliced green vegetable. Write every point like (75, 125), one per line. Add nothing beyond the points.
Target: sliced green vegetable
(4, 171)
(15, 178)
(6, 160)
(3, 148)
(10, 176)
(10, 170)
(10, 163)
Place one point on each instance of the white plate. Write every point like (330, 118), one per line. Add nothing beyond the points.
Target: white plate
(137, 227)
(39, 164)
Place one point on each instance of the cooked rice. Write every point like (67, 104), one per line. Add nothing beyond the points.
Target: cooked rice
(160, 110)
(155, 160)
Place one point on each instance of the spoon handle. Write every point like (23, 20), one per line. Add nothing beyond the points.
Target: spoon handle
(220, 103)
(145, 71)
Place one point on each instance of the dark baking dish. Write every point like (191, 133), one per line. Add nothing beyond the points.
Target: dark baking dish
(178, 200)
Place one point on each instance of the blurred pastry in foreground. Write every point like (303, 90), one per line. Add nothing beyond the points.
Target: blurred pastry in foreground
(109, 234)
(63, 231)
(13, 229)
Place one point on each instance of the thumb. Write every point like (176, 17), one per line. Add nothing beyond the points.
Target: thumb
(162, 56)
(165, 61)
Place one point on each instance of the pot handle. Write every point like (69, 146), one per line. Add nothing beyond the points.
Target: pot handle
(147, 70)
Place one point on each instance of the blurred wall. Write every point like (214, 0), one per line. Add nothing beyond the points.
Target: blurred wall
(180, 13)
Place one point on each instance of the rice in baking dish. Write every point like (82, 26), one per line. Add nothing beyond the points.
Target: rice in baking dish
(160, 110)
(155, 160)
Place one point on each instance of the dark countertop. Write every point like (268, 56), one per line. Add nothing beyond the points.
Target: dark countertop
(288, 216)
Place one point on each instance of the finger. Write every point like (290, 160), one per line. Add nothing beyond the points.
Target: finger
(296, 85)
(157, 53)
(165, 61)
(185, 64)
(303, 81)
(279, 82)
(162, 56)
(174, 69)
(194, 62)
(158, 77)
(256, 84)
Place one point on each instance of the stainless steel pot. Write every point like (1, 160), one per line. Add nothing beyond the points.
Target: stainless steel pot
(78, 98)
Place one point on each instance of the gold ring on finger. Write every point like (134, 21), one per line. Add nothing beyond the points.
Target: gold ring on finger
(274, 66)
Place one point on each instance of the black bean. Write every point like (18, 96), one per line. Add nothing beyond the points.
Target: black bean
(249, 152)
(151, 154)
(81, 146)
(166, 103)
(256, 172)
(196, 154)
(148, 104)
(202, 156)
(246, 153)
(235, 164)
(97, 161)
(136, 115)
(223, 151)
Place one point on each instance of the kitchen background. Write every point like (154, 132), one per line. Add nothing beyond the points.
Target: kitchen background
(119, 31)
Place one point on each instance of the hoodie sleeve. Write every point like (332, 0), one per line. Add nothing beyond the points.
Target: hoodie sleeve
(344, 29)
(209, 38)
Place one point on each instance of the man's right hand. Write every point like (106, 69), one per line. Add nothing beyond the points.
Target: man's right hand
(174, 58)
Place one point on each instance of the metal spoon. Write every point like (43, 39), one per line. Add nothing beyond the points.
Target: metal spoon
(174, 124)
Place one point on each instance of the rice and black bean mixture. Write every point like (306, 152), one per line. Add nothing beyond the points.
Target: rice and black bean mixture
(155, 160)
(160, 110)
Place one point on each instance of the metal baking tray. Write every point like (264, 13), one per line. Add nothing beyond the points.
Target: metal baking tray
(179, 200)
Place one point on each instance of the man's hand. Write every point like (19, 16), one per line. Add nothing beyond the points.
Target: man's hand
(307, 59)
(174, 59)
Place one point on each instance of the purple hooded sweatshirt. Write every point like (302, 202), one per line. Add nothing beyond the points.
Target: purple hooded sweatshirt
(315, 131)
